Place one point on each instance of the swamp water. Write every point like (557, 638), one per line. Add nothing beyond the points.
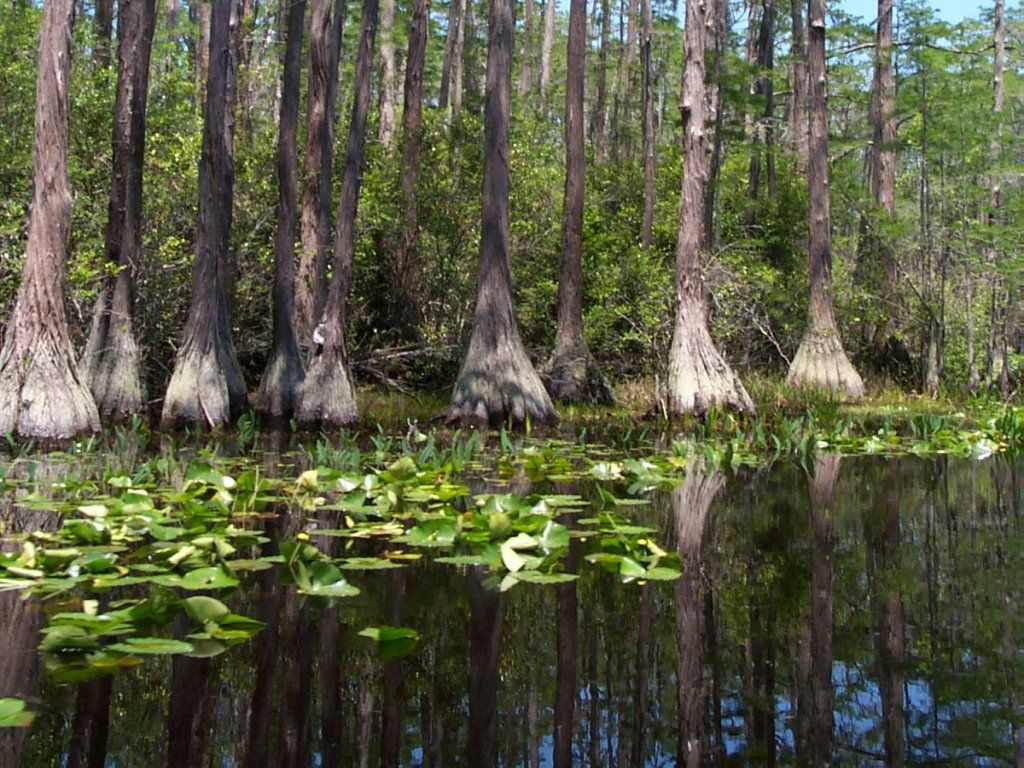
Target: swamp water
(423, 610)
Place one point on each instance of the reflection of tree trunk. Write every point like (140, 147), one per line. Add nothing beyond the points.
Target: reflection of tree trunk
(298, 683)
(690, 503)
(823, 486)
(394, 675)
(189, 713)
(643, 663)
(91, 724)
(566, 675)
(364, 713)
(882, 543)
(484, 650)
(266, 655)
(20, 621)
(594, 690)
(761, 715)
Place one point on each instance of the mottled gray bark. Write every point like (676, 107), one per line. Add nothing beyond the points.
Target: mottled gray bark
(698, 376)
(42, 393)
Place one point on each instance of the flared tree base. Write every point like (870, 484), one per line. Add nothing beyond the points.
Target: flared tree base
(115, 381)
(279, 386)
(206, 389)
(821, 363)
(327, 398)
(699, 379)
(499, 385)
(572, 376)
(42, 395)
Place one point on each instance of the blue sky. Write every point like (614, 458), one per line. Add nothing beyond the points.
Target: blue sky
(949, 10)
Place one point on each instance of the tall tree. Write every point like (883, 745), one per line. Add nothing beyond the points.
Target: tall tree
(111, 360)
(497, 381)
(322, 87)
(526, 55)
(883, 178)
(447, 64)
(327, 397)
(467, 27)
(764, 129)
(547, 45)
(599, 119)
(104, 18)
(997, 360)
(647, 85)
(388, 75)
(798, 120)
(207, 387)
(821, 361)
(42, 393)
(571, 373)
(283, 373)
(698, 376)
(405, 304)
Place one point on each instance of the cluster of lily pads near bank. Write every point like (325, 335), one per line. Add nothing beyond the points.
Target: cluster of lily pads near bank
(134, 551)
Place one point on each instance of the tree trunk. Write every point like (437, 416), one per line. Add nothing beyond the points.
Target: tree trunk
(690, 504)
(545, 51)
(388, 76)
(526, 67)
(207, 387)
(798, 120)
(647, 86)
(327, 397)
(567, 640)
(204, 13)
(997, 373)
(571, 374)
(454, 24)
(283, 373)
(698, 376)
(324, 53)
(821, 362)
(884, 123)
(458, 62)
(763, 130)
(104, 18)
(90, 727)
(497, 382)
(405, 309)
(42, 392)
(111, 360)
(599, 126)
(720, 25)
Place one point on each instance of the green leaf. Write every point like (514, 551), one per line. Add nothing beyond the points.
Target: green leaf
(392, 642)
(14, 714)
(151, 646)
(204, 609)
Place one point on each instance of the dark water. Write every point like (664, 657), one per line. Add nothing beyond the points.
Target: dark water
(866, 613)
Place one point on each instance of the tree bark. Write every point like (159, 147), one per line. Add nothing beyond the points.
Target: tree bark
(545, 51)
(997, 361)
(104, 18)
(526, 67)
(647, 86)
(111, 360)
(204, 13)
(821, 362)
(388, 76)
(447, 66)
(599, 124)
(497, 382)
(207, 387)
(315, 218)
(405, 309)
(571, 373)
(42, 392)
(698, 376)
(283, 373)
(883, 182)
(720, 36)
(690, 504)
(763, 130)
(798, 120)
(327, 397)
